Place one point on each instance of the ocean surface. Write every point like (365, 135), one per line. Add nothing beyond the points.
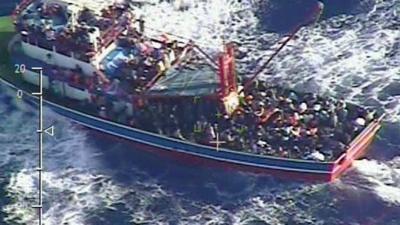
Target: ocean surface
(91, 179)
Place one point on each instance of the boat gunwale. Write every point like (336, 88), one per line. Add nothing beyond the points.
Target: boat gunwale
(360, 137)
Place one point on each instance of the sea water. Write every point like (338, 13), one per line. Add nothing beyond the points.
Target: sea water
(352, 52)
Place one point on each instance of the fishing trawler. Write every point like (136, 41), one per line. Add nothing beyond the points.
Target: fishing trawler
(99, 67)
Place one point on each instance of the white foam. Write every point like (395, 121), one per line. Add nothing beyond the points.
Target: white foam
(206, 22)
(349, 52)
(71, 195)
(270, 206)
(70, 188)
(384, 178)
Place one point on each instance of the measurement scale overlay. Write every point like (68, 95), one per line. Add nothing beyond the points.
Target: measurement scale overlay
(50, 131)
(39, 169)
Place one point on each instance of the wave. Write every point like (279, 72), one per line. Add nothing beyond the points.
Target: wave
(383, 177)
(70, 196)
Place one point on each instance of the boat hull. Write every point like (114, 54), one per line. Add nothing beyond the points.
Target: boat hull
(204, 155)
(201, 162)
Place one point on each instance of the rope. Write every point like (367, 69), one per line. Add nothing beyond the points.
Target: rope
(210, 59)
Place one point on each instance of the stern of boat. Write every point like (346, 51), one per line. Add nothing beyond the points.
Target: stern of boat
(357, 148)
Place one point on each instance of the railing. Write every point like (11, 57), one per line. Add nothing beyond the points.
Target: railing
(111, 34)
(350, 151)
(188, 47)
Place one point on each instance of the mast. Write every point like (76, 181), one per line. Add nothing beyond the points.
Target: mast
(229, 93)
(228, 79)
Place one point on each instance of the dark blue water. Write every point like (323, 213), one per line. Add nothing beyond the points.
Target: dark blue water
(282, 16)
(7, 6)
(94, 179)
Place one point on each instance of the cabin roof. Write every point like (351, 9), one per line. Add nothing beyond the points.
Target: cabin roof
(198, 80)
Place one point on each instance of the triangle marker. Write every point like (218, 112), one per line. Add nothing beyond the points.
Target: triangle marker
(50, 131)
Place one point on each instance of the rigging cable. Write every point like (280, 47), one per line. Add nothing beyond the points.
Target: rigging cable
(316, 12)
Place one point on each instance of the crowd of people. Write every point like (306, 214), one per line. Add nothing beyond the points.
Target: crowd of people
(273, 122)
(270, 121)
(41, 23)
(143, 63)
(48, 25)
(281, 122)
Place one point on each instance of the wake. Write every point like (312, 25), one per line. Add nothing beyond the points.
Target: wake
(384, 178)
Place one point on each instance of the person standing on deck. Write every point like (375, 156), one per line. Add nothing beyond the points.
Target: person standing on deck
(141, 24)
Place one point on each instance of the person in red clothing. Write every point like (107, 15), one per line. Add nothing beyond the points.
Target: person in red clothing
(75, 78)
(294, 119)
(89, 83)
